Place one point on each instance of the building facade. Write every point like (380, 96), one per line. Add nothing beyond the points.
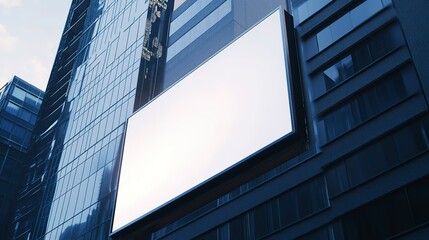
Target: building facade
(363, 173)
(19, 108)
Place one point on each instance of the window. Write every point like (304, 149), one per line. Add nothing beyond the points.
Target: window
(25, 115)
(238, 228)
(364, 106)
(378, 157)
(188, 14)
(266, 218)
(370, 162)
(20, 135)
(27, 98)
(21, 113)
(388, 216)
(19, 93)
(302, 201)
(362, 56)
(378, 220)
(32, 100)
(303, 9)
(344, 25)
(6, 125)
(12, 109)
(337, 179)
(272, 215)
(199, 29)
(14, 132)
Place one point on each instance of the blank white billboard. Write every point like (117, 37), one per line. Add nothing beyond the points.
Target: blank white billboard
(230, 107)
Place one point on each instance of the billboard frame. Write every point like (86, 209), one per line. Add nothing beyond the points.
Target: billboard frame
(247, 169)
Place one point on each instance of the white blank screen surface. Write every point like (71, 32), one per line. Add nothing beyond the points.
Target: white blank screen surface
(228, 108)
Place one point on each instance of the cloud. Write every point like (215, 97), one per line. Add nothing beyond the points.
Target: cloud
(10, 3)
(7, 40)
(40, 72)
(32, 69)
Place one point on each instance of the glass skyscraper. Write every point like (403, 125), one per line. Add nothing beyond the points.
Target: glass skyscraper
(89, 96)
(19, 108)
(361, 169)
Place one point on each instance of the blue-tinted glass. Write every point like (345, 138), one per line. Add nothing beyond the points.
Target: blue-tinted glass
(272, 215)
(301, 13)
(18, 134)
(190, 12)
(362, 56)
(376, 158)
(364, 106)
(347, 23)
(364, 11)
(12, 109)
(334, 75)
(316, 5)
(340, 27)
(239, 228)
(324, 38)
(266, 219)
(25, 115)
(19, 93)
(72, 204)
(380, 219)
(363, 165)
(304, 9)
(199, 29)
(302, 201)
(337, 180)
(31, 100)
(409, 142)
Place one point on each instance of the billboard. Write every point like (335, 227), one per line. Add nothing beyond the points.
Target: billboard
(232, 106)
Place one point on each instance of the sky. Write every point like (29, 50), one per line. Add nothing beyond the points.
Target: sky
(30, 32)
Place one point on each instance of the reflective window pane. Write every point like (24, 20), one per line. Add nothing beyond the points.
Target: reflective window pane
(189, 13)
(376, 158)
(19, 93)
(199, 29)
(361, 57)
(12, 109)
(345, 24)
(364, 106)
(275, 214)
(303, 9)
